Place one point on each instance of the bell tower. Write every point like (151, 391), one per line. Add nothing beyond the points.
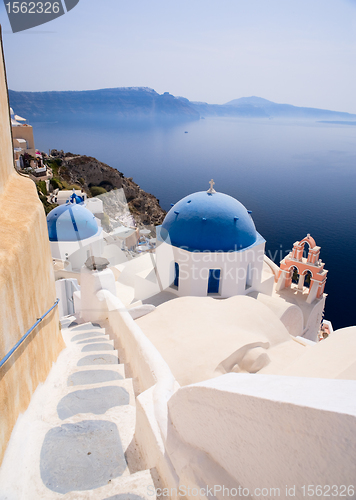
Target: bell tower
(303, 269)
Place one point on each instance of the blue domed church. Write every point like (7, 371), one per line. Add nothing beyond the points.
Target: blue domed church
(208, 245)
(74, 234)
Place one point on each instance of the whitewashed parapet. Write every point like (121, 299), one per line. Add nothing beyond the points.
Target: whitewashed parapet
(145, 361)
(264, 432)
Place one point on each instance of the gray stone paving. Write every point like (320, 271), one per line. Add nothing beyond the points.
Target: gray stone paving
(72, 440)
(97, 347)
(96, 401)
(86, 335)
(93, 377)
(98, 359)
(81, 456)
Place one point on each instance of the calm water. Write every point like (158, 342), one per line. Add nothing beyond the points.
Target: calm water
(297, 178)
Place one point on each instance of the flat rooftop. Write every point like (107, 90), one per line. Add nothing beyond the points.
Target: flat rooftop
(195, 334)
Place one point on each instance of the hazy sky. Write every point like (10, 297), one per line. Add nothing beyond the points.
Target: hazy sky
(301, 52)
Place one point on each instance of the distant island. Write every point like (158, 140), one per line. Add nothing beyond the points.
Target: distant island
(143, 102)
(338, 122)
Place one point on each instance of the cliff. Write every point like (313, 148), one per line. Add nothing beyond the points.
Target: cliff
(131, 102)
(144, 103)
(96, 177)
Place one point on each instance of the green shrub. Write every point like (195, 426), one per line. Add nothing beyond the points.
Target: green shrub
(42, 187)
(56, 183)
(47, 206)
(52, 165)
(66, 185)
(97, 190)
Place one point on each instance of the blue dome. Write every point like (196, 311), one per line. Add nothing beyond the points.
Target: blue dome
(209, 222)
(76, 199)
(71, 223)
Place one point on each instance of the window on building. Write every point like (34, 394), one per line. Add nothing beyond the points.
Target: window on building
(214, 281)
(176, 275)
(248, 277)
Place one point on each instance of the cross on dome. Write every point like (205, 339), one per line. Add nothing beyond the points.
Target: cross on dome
(211, 189)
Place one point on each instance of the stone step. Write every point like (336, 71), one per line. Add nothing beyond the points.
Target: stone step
(138, 486)
(82, 336)
(117, 369)
(88, 327)
(82, 423)
(89, 340)
(76, 336)
(72, 336)
(65, 321)
(95, 398)
(98, 358)
(97, 346)
(67, 337)
(82, 455)
(100, 338)
(85, 378)
(58, 456)
(84, 326)
(78, 402)
(124, 417)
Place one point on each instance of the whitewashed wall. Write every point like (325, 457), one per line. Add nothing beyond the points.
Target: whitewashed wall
(194, 269)
(264, 431)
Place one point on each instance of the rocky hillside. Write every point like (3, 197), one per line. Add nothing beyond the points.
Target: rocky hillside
(98, 178)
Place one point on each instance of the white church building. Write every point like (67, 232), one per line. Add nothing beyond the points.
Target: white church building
(214, 247)
(75, 234)
(207, 246)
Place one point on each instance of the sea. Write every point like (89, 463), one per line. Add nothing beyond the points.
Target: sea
(297, 177)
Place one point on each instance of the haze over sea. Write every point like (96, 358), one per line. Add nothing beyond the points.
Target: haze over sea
(297, 177)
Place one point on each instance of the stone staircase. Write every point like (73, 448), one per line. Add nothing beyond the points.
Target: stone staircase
(74, 440)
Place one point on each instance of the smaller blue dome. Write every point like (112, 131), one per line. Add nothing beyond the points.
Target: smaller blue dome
(71, 222)
(76, 199)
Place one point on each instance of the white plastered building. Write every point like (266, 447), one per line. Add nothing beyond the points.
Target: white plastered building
(208, 245)
(74, 234)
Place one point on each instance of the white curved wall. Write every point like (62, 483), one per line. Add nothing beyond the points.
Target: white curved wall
(266, 431)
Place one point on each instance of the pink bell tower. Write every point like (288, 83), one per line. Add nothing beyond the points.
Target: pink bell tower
(300, 272)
